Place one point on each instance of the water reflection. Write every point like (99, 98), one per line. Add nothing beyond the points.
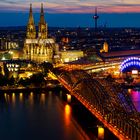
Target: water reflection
(50, 99)
(5, 97)
(68, 98)
(21, 97)
(8, 98)
(42, 98)
(34, 121)
(135, 95)
(67, 114)
(13, 99)
(31, 98)
(129, 91)
(100, 132)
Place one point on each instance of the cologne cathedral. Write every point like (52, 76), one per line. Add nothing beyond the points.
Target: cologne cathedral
(37, 46)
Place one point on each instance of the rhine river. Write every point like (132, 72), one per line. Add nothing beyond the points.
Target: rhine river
(135, 96)
(47, 116)
(37, 116)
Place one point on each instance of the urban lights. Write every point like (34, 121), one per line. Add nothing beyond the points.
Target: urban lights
(130, 62)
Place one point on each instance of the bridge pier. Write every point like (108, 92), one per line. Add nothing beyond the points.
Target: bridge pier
(101, 98)
(100, 132)
(68, 98)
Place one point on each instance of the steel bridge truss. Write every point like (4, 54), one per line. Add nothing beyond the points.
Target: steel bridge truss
(108, 102)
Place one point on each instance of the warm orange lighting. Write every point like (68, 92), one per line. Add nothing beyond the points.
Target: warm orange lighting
(129, 90)
(13, 95)
(31, 94)
(52, 76)
(50, 92)
(68, 98)
(116, 72)
(31, 98)
(13, 98)
(42, 98)
(67, 114)
(134, 71)
(100, 132)
(5, 95)
(94, 111)
(67, 109)
(21, 97)
(8, 98)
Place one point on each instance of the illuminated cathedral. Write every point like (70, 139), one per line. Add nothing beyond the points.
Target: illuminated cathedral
(37, 46)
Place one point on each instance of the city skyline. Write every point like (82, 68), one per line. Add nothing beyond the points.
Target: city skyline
(113, 13)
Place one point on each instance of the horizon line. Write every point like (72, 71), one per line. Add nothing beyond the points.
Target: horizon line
(72, 27)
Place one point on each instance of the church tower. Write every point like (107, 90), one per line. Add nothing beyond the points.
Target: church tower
(39, 48)
(31, 31)
(42, 27)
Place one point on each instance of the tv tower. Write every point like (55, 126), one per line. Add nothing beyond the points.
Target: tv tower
(96, 17)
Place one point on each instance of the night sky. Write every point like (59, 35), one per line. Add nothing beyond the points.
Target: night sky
(72, 13)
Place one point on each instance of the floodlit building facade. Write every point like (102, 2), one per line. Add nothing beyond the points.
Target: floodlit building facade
(37, 46)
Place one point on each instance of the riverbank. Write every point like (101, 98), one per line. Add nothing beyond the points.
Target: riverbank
(26, 89)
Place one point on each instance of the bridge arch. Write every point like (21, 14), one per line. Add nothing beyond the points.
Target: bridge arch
(107, 101)
(132, 63)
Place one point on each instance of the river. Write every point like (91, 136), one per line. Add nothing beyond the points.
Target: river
(46, 116)
(135, 96)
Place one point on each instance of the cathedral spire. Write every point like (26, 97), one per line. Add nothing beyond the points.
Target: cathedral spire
(42, 19)
(42, 25)
(31, 31)
(31, 19)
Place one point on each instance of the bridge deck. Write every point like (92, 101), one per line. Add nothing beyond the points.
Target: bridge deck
(109, 104)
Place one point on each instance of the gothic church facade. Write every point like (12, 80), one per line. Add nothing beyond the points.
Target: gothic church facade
(37, 46)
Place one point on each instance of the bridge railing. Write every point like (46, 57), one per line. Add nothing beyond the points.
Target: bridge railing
(103, 99)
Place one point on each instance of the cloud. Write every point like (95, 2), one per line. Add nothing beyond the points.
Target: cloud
(72, 6)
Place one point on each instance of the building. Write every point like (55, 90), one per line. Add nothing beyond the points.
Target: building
(71, 55)
(119, 55)
(20, 68)
(105, 48)
(8, 44)
(38, 47)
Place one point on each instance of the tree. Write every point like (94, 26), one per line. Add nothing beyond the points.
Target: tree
(3, 80)
(37, 79)
(24, 82)
(11, 81)
(46, 66)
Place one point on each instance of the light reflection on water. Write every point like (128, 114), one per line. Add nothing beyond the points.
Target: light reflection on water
(21, 97)
(135, 95)
(13, 99)
(67, 113)
(37, 116)
(42, 98)
(31, 98)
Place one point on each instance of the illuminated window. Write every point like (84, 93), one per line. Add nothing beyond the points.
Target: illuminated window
(134, 71)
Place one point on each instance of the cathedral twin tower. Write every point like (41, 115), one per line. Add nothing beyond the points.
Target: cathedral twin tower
(42, 26)
(39, 48)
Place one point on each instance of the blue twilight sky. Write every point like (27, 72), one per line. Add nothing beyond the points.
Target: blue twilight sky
(72, 13)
